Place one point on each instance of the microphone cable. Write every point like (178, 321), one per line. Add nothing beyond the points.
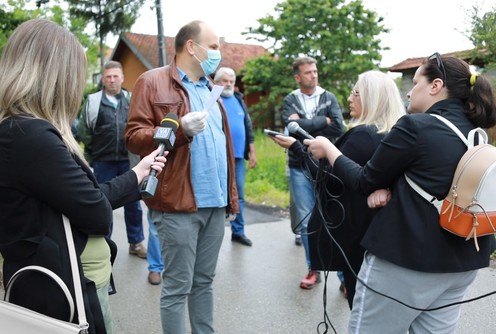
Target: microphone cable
(325, 196)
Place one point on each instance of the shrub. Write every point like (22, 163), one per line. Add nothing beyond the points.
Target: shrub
(267, 183)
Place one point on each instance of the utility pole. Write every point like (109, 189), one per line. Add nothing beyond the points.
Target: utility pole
(40, 2)
(161, 47)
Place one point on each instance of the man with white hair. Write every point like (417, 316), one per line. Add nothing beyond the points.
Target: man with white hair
(243, 140)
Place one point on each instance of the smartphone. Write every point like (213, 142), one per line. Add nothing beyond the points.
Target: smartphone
(272, 133)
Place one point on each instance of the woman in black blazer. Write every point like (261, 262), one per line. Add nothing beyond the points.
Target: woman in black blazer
(409, 257)
(341, 216)
(43, 174)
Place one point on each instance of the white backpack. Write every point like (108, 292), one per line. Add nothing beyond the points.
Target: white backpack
(469, 210)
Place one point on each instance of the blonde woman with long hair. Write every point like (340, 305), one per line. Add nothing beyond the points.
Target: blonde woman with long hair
(341, 215)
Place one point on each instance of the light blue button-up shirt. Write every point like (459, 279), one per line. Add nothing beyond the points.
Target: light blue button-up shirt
(208, 149)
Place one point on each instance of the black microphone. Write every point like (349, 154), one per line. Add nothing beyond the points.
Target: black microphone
(165, 136)
(295, 128)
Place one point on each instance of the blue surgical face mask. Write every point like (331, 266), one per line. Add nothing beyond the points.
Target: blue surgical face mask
(210, 64)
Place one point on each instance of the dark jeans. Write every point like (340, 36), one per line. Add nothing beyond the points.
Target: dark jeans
(133, 214)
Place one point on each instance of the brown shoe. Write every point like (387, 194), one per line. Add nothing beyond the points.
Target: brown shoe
(138, 249)
(154, 278)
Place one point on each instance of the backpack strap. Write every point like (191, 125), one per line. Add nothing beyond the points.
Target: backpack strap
(428, 197)
(469, 142)
(483, 139)
(454, 128)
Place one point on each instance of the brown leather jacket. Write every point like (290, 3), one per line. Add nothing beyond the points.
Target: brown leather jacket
(156, 93)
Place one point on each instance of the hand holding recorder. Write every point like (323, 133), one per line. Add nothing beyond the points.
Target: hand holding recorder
(280, 138)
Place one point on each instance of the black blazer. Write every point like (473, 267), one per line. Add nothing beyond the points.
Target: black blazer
(406, 232)
(39, 182)
(341, 212)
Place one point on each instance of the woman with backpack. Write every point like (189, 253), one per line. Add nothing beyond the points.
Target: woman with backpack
(412, 267)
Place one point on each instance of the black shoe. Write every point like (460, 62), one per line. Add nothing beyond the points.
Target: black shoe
(298, 241)
(242, 239)
(154, 278)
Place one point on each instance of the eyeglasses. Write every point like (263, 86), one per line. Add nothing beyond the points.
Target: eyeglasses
(354, 92)
(440, 64)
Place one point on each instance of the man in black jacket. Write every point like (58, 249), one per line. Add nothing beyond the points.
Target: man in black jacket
(316, 111)
(101, 128)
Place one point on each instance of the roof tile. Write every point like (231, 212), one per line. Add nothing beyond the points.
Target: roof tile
(234, 55)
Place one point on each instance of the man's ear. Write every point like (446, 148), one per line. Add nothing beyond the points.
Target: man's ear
(189, 47)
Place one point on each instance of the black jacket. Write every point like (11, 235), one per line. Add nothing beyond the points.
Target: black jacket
(341, 212)
(328, 107)
(39, 182)
(407, 232)
(101, 127)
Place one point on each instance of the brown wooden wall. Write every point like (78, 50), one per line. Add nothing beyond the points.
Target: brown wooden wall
(131, 67)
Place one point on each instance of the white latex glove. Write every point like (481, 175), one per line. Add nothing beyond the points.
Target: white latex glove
(194, 122)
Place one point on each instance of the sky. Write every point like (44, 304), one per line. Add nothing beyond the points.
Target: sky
(418, 28)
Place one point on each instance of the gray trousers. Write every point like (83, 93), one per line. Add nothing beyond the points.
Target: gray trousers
(373, 313)
(190, 244)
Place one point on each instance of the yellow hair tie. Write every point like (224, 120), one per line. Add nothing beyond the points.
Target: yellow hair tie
(473, 79)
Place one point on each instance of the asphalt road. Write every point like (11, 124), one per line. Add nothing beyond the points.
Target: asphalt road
(257, 290)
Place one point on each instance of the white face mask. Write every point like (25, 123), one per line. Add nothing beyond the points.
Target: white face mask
(210, 64)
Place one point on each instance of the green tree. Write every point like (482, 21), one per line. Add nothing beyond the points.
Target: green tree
(14, 12)
(108, 16)
(482, 34)
(341, 35)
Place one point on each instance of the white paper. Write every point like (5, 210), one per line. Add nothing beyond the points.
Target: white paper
(214, 96)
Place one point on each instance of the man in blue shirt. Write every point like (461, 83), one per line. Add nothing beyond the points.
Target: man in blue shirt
(243, 141)
(197, 187)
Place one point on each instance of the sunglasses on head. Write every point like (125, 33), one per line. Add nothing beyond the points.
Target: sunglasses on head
(440, 64)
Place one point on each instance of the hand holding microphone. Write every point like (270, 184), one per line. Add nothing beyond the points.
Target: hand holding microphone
(319, 147)
(194, 122)
(152, 162)
(165, 136)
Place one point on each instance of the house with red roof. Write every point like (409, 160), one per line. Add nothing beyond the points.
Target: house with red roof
(408, 67)
(139, 53)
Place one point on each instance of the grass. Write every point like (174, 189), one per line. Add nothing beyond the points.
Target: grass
(267, 183)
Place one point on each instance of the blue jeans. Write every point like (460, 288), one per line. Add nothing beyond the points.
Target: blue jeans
(301, 188)
(133, 214)
(153, 252)
(238, 224)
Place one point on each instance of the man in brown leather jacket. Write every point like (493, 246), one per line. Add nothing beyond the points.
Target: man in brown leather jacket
(197, 187)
